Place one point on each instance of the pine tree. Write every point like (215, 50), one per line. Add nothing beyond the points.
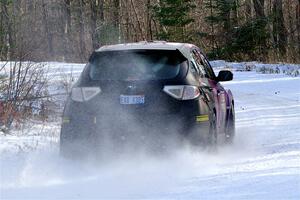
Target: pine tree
(173, 16)
(231, 40)
(220, 16)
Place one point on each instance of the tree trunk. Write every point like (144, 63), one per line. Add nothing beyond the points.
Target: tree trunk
(235, 17)
(116, 19)
(298, 25)
(212, 29)
(93, 22)
(96, 16)
(82, 48)
(67, 23)
(47, 30)
(100, 10)
(279, 30)
(67, 12)
(149, 24)
(138, 20)
(8, 41)
(2, 31)
(262, 23)
(259, 8)
(248, 10)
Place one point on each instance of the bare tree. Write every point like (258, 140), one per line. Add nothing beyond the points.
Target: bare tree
(22, 88)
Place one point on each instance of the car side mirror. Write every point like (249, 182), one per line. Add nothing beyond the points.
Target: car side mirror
(225, 75)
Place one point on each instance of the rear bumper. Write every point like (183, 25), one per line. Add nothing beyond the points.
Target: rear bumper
(126, 127)
(117, 124)
(116, 135)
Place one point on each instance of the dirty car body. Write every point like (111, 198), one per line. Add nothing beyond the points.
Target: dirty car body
(147, 94)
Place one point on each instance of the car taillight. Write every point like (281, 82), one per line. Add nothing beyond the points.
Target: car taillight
(182, 92)
(84, 93)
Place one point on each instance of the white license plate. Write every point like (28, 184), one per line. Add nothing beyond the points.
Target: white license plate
(132, 99)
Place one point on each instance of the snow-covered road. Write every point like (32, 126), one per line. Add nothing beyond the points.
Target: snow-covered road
(263, 163)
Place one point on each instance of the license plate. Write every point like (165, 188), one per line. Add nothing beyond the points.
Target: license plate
(132, 99)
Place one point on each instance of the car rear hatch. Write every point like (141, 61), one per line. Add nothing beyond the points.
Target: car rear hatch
(132, 81)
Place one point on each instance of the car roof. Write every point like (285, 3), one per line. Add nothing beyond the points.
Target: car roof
(184, 48)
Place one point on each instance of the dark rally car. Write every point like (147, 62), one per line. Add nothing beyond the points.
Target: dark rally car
(147, 94)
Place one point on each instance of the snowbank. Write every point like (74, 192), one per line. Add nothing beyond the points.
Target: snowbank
(284, 68)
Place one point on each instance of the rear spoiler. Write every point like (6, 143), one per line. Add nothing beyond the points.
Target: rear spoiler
(183, 57)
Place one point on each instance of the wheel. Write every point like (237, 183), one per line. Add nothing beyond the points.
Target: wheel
(204, 136)
(230, 129)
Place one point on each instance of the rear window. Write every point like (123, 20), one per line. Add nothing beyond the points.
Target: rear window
(135, 65)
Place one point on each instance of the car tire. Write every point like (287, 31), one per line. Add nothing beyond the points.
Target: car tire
(230, 128)
(205, 137)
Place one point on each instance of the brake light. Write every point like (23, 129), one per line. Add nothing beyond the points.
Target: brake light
(182, 92)
(84, 93)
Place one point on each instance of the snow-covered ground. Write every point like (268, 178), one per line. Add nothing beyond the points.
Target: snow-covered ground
(263, 163)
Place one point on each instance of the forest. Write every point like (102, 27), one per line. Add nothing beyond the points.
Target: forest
(69, 30)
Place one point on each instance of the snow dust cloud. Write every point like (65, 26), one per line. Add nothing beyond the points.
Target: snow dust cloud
(129, 175)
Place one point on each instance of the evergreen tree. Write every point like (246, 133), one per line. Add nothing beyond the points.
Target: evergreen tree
(173, 16)
(220, 16)
(248, 39)
(230, 40)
